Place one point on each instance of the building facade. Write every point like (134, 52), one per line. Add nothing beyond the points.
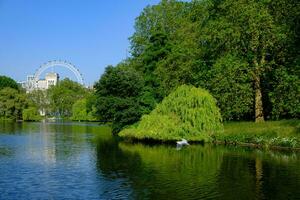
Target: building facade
(31, 84)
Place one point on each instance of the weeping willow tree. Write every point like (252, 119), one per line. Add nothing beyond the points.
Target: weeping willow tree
(188, 112)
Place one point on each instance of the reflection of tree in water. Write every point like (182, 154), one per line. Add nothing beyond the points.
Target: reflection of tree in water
(113, 162)
(252, 175)
(12, 127)
(160, 172)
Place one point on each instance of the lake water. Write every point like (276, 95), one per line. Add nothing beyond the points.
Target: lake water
(84, 161)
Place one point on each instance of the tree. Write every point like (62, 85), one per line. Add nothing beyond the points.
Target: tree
(80, 111)
(245, 52)
(248, 29)
(12, 103)
(156, 32)
(231, 84)
(31, 114)
(8, 82)
(187, 112)
(40, 99)
(63, 96)
(285, 96)
(118, 92)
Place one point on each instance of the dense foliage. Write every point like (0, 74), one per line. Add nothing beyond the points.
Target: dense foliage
(120, 96)
(188, 112)
(8, 82)
(81, 112)
(63, 96)
(12, 103)
(31, 114)
(41, 100)
(58, 101)
(245, 52)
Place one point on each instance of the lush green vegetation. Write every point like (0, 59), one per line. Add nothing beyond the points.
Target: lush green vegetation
(58, 101)
(121, 96)
(8, 82)
(188, 112)
(235, 49)
(81, 112)
(63, 96)
(31, 114)
(246, 53)
(12, 103)
(284, 133)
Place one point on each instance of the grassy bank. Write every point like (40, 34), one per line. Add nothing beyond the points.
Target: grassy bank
(285, 133)
(270, 134)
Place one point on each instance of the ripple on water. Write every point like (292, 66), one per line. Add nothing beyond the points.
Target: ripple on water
(74, 161)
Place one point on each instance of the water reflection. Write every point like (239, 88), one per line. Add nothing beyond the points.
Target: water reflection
(84, 161)
(200, 172)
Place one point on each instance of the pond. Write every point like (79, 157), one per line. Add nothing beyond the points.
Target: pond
(84, 161)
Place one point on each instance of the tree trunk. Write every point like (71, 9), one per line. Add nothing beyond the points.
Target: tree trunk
(259, 116)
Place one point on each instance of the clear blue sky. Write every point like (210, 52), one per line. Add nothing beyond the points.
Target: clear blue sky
(91, 34)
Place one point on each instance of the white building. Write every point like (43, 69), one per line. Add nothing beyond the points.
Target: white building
(42, 84)
(50, 80)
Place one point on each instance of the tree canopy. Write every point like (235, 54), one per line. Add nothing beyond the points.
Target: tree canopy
(118, 92)
(234, 48)
(12, 103)
(246, 53)
(63, 95)
(8, 82)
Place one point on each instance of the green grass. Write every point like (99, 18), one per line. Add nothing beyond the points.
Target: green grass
(269, 134)
(285, 133)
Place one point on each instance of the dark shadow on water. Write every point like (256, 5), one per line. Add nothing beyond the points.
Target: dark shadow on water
(199, 171)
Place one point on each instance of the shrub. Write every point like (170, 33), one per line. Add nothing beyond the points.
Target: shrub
(188, 112)
(31, 114)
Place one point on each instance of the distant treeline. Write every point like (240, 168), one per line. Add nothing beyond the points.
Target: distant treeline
(67, 99)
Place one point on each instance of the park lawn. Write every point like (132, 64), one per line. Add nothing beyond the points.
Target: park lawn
(270, 134)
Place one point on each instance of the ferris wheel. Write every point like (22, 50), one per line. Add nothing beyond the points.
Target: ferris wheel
(59, 63)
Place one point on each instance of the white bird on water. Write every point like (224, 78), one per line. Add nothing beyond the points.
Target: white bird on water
(181, 143)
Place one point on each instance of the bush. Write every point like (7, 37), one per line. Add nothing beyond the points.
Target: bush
(188, 112)
(81, 113)
(31, 114)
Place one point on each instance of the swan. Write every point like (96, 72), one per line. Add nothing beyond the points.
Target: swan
(182, 142)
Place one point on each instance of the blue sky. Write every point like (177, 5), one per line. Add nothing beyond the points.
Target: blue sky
(91, 34)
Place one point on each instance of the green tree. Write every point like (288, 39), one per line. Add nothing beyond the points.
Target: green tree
(12, 103)
(31, 114)
(246, 28)
(63, 96)
(80, 111)
(8, 82)
(231, 84)
(40, 99)
(187, 112)
(156, 35)
(118, 92)
(245, 52)
(285, 96)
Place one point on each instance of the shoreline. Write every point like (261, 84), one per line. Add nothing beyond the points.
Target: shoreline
(256, 146)
(271, 135)
(214, 142)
